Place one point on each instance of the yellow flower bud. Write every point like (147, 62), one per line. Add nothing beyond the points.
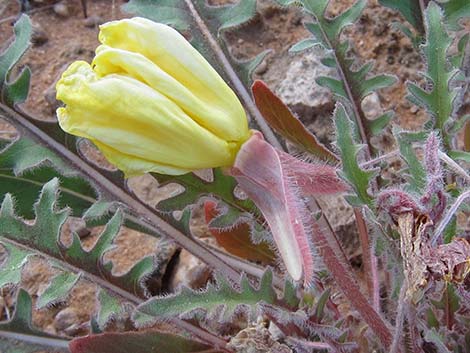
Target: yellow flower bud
(151, 103)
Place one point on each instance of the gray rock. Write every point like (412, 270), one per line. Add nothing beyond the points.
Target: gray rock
(50, 97)
(299, 87)
(61, 9)
(190, 272)
(39, 35)
(78, 226)
(341, 217)
(93, 21)
(256, 339)
(371, 106)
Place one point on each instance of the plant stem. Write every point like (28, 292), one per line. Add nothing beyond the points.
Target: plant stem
(369, 260)
(454, 166)
(53, 343)
(400, 319)
(348, 285)
(448, 216)
(373, 161)
(203, 335)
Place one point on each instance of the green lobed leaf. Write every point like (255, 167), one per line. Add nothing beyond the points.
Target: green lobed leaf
(58, 289)
(15, 90)
(410, 10)
(304, 44)
(222, 187)
(25, 167)
(351, 171)
(226, 17)
(455, 10)
(42, 238)
(10, 269)
(221, 300)
(18, 334)
(354, 84)
(415, 173)
(110, 306)
(439, 99)
(378, 125)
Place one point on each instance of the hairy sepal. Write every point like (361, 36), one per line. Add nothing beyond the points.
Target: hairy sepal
(261, 174)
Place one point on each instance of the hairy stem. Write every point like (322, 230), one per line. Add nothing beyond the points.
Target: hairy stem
(348, 285)
(454, 166)
(413, 330)
(448, 216)
(400, 319)
(52, 343)
(465, 69)
(384, 157)
(369, 260)
(203, 335)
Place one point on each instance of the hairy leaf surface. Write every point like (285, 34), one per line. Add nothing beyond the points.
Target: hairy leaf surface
(351, 171)
(352, 84)
(15, 90)
(281, 119)
(218, 302)
(42, 238)
(438, 100)
(142, 342)
(18, 334)
(410, 10)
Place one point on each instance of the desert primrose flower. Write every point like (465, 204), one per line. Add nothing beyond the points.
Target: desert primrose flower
(151, 103)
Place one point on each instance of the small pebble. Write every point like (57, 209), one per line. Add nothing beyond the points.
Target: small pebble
(78, 225)
(39, 35)
(262, 68)
(61, 9)
(50, 329)
(65, 318)
(93, 21)
(49, 96)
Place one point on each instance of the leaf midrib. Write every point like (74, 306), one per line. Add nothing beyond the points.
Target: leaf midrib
(41, 184)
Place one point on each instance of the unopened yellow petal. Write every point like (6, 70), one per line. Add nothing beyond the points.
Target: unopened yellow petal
(138, 128)
(168, 50)
(110, 60)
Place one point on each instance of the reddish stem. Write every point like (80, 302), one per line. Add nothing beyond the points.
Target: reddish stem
(369, 260)
(348, 285)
